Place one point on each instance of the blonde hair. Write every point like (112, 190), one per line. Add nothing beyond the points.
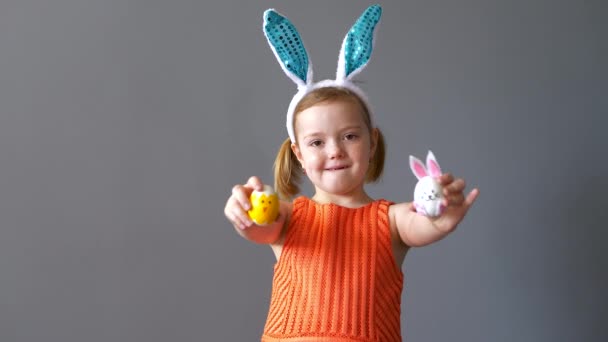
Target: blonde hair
(287, 170)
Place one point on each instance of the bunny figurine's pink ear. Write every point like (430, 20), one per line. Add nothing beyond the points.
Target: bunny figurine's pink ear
(432, 165)
(417, 167)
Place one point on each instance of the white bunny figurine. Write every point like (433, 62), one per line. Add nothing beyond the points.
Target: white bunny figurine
(428, 194)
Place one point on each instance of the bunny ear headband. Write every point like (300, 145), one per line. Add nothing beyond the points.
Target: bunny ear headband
(289, 50)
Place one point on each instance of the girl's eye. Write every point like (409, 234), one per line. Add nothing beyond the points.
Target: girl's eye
(315, 143)
(350, 136)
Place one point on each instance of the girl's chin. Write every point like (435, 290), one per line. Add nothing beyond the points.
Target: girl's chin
(336, 188)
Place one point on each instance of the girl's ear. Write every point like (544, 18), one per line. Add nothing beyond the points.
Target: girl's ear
(374, 142)
(296, 150)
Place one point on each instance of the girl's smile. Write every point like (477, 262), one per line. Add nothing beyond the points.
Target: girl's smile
(336, 168)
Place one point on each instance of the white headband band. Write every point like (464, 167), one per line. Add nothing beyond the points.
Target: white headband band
(289, 50)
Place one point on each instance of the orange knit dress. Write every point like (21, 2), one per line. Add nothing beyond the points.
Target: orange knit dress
(336, 278)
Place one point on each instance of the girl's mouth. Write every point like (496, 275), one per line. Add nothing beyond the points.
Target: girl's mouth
(337, 168)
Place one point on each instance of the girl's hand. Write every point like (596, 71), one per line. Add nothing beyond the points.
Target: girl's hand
(238, 203)
(455, 201)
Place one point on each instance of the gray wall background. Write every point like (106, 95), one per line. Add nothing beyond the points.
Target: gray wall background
(124, 124)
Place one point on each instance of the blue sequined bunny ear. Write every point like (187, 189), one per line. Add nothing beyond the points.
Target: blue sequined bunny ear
(287, 46)
(358, 44)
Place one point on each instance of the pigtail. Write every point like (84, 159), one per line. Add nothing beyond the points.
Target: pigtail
(376, 165)
(287, 173)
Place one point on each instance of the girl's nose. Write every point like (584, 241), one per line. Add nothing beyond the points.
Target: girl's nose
(335, 150)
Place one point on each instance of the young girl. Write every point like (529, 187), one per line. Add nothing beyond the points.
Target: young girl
(339, 254)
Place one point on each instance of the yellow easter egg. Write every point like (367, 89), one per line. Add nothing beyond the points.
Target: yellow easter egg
(264, 206)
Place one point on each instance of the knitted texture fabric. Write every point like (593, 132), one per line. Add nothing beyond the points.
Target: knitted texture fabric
(336, 278)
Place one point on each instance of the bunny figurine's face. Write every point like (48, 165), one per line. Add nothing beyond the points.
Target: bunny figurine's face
(428, 197)
(428, 194)
(427, 190)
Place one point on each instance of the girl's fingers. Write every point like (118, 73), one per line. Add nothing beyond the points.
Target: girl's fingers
(455, 186)
(241, 196)
(243, 218)
(255, 183)
(471, 197)
(237, 215)
(243, 223)
(239, 223)
(456, 200)
(446, 179)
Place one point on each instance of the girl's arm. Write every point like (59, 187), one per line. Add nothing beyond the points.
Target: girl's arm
(236, 212)
(416, 230)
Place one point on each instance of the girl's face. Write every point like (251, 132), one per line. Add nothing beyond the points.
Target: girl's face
(334, 146)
